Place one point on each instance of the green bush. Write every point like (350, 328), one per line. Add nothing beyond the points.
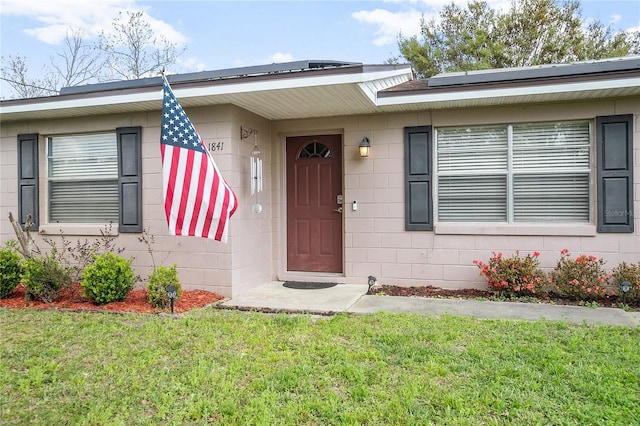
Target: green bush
(44, 276)
(582, 278)
(10, 270)
(159, 279)
(513, 276)
(631, 273)
(109, 278)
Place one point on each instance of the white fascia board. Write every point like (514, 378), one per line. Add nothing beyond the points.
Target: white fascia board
(371, 88)
(54, 104)
(195, 92)
(289, 83)
(509, 92)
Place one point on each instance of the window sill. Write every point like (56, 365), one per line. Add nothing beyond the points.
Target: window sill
(89, 229)
(541, 229)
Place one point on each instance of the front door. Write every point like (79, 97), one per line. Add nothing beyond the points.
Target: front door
(314, 207)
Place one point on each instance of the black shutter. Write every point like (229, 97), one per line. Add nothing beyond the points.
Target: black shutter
(418, 178)
(615, 173)
(28, 188)
(130, 178)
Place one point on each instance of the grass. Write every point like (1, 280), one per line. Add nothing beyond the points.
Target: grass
(228, 367)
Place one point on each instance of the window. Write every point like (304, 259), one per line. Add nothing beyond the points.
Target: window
(514, 173)
(91, 178)
(83, 178)
(315, 150)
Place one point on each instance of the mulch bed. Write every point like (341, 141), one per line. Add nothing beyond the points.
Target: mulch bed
(471, 293)
(71, 298)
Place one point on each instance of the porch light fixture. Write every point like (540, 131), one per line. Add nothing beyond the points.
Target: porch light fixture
(172, 292)
(371, 282)
(625, 286)
(364, 146)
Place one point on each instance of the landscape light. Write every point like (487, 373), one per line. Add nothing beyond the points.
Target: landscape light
(172, 292)
(625, 286)
(372, 282)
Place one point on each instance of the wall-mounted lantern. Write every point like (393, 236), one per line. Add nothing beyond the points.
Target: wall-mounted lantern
(365, 146)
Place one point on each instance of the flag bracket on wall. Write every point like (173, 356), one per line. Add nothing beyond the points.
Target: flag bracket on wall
(245, 133)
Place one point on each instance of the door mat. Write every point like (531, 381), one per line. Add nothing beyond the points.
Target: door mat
(299, 285)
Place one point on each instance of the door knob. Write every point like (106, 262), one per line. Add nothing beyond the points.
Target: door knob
(338, 210)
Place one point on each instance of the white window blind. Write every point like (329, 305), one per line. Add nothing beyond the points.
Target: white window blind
(551, 172)
(521, 173)
(470, 199)
(83, 178)
(472, 174)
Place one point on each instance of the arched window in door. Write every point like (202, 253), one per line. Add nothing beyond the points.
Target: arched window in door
(314, 149)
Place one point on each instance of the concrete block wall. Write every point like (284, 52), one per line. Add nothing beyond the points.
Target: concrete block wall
(202, 264)
(375, 241)
(374, 236)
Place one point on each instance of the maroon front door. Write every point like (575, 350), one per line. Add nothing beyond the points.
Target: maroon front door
(314, 215)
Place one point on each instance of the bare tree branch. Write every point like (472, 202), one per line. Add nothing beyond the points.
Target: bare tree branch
(14, 71)
(80, 62)
(133, 51)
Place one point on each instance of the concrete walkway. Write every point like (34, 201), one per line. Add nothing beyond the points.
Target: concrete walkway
(353, 299)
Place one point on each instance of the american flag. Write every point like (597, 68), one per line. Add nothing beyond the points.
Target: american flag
(197, 200)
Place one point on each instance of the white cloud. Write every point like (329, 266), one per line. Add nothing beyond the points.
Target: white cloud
(279, 57)
(407, 21)
(55, 17)
(190, 64)
(438, 4)
(616, 18)
(390, 24)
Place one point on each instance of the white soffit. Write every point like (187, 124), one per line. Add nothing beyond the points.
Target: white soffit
(306, 96)
(510, 95)
(317, 96)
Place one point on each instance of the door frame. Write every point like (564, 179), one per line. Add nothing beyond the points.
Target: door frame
(284, 272)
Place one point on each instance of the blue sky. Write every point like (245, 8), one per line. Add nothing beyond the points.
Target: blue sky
(226, 34)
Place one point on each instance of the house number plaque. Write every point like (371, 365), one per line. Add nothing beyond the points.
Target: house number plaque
(215, 146)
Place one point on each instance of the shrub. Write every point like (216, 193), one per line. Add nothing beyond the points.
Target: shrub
(79, 255)
(582, 278)
(9, 270)
(631, 273)
(159, 279)
(513, 276)
(43, 276)
(109, 278)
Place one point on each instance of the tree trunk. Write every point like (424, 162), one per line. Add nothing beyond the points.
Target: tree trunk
(24, 237)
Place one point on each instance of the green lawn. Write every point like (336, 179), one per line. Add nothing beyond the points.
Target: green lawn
(246, 368)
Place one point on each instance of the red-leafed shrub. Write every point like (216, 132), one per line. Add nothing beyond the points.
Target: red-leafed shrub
(513, 276)
(580, 278)
(627, 272)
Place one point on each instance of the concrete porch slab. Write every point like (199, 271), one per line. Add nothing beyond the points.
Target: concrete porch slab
(274, 295)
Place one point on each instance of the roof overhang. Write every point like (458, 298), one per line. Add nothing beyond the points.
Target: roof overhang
(495, 95)
(341, 90)
(311, 89)
(606, 78)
